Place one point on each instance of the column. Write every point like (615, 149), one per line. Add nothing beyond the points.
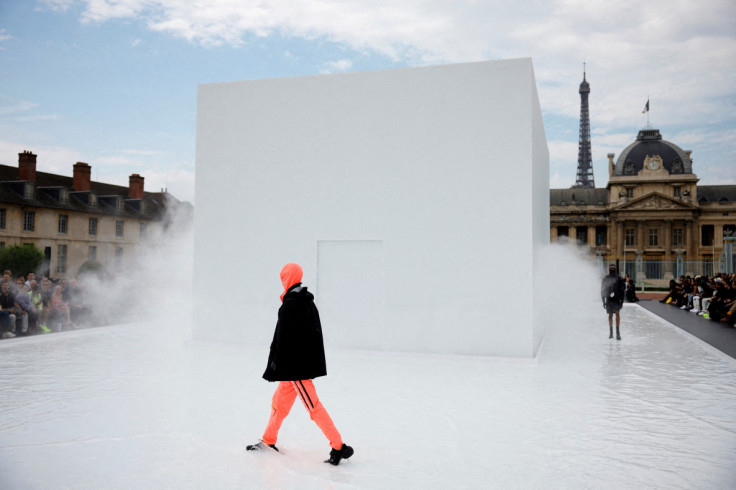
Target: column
(591, 236)
(640, 235)
(691, 240)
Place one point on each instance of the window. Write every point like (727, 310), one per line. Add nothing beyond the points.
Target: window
(653, 269)
(653, 238)
(677, 237)
(562, 231)
(581, 235)
(144, 230)
(677, 191)
(630, 192)
(92, 253)
(601, 233)
(29, 221)
(63, 223)
(2, 244)
(630, 237)
(61, 259)
(706, 235)
(119, 228)
(29, 191)
(93, 226)
(2, 219)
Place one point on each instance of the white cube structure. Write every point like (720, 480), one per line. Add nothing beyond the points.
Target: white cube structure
(415, 200)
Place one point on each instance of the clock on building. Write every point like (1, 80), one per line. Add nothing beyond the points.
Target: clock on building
(652, 164)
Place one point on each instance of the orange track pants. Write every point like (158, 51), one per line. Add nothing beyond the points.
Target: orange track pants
(283, 400)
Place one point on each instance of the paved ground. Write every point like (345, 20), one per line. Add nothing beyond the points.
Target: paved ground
(722, 336)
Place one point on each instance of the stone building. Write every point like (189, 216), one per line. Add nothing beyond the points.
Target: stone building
(653, 218)
(74, 219)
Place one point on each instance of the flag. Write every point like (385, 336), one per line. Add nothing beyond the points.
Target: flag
(646, 108)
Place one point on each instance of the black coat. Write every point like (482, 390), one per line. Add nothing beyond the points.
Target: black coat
(613, 283)
(297, 350)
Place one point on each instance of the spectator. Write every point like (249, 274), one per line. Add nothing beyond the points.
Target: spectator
(59, 309)
(8, 310)
(704, 292)
(722, 299)
(630, 290)
(37, 302)
(29, 316)
(46, 293)
(674, 292)
(31, 277)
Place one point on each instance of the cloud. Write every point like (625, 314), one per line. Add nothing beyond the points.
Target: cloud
(4, 36)
(52, 159)
(653, 53)
(681, 55)
(21, 106)
(338, 66)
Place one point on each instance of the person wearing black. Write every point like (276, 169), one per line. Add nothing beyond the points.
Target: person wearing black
(630, 290)
(613, 290)
(297, 356)
(9, 310)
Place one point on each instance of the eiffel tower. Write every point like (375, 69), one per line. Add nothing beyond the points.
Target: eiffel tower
(585, 160)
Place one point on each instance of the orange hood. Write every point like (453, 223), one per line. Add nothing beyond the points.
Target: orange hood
(291, 274)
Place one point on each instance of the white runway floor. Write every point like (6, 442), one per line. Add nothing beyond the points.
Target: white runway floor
(139, 407)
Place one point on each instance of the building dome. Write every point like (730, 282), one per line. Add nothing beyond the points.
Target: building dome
(649, 143)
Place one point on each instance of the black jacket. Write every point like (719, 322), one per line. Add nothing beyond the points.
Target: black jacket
(613, 283)
(297, 350)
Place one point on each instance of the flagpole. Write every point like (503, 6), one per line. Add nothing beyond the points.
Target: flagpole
(648, 126)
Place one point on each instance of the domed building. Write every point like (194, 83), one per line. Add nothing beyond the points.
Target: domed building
(653, 218)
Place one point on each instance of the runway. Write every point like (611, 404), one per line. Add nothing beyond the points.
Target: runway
(142, 406)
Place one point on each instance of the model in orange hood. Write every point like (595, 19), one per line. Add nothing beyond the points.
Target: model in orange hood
(291, 274)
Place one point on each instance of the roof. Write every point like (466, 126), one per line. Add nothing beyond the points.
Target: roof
(48, 191)
(717, 193)
(649, 142)
(563, 197)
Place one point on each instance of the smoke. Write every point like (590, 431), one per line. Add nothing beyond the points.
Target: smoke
(153, 283)
(569, 279)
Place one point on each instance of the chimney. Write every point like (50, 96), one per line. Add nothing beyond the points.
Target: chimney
(27, 166)
(136, 187)
(82, 173)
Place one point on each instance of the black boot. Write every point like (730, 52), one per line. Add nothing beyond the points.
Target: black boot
(618, 334)
(610, 333)
(260, 445)
(337, 455)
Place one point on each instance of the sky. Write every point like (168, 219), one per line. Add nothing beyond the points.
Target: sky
(113, 83)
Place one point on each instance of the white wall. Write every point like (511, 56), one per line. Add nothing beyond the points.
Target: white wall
(426, 188)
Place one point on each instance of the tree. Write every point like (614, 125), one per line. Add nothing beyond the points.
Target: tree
(92, 268)
(21, 259)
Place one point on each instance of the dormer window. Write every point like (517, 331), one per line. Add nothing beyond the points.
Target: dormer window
(120, 203)
(29, 191)
(93, 199)
(677, 166)
(64, 196)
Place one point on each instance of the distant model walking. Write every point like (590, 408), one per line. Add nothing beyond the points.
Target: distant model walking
(297, 356)
(613, 290)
